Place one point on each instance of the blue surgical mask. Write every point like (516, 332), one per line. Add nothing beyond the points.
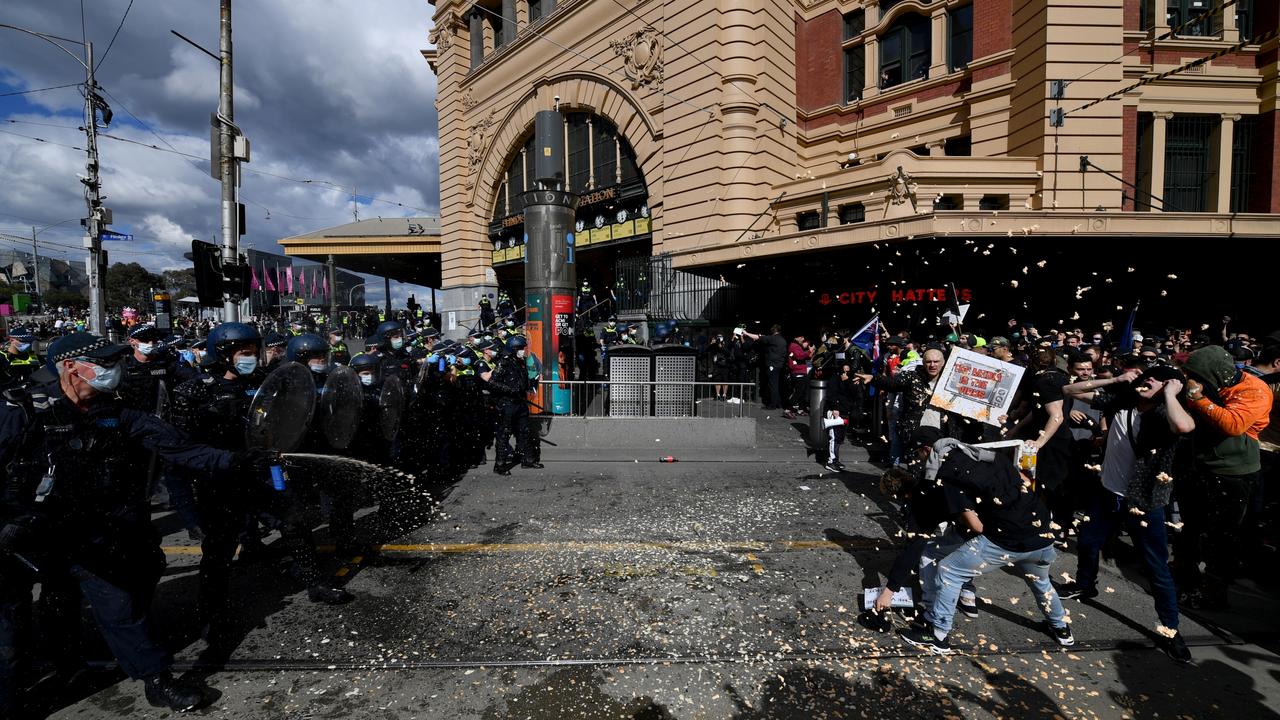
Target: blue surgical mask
(146, 348)
(337, 339)
(187, 356)
(466, 361)
(397, 343)
(23, 347)
(246, 365)
(366, 379)
(104, 379)
(319, 367)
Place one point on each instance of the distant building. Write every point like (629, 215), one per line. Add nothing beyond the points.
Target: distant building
(16, 269)
(281, 284)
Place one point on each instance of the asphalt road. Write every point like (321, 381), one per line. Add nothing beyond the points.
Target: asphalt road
(726, 585)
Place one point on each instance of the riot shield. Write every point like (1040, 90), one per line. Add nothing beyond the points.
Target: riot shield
(341, 403)
(281, 409)
(390, 407)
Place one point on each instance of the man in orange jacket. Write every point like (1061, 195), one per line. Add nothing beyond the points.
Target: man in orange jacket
(1230, 408)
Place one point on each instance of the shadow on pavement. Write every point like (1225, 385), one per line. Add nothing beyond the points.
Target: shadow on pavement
(573, 693)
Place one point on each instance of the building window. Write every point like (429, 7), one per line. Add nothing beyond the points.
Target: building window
(958, 146)
(1183, 11)
(1244, 18)
(605, 150)
(852, 213)
(854, 23)
(904, 51)
(961, 47)
(579, 153)
(496, 23)
(946, 202)
(1242, 162)
(810, 220)
(1186, 162)
(994, 202)
(855, 73)
(535, 11)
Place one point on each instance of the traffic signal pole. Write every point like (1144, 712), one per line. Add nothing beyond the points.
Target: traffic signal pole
(229, 165)
(96, 264)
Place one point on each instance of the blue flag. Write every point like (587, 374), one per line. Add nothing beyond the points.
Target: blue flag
(868, 338)
(1126, 337)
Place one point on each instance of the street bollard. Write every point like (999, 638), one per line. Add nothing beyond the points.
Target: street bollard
(817, 401)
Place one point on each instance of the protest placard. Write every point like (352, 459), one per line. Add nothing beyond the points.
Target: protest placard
(976, 386)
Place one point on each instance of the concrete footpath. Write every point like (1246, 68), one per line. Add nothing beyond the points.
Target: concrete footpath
(724, 585)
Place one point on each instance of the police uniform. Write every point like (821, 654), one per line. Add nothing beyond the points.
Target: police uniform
(74, 506)
(509, 386)
(17, 366)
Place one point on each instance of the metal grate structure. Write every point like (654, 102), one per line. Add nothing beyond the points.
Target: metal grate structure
(649, 285)
(629, 388)
(676, 399)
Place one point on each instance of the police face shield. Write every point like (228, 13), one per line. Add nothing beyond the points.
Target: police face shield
(281, 410)
(341, 402)
(390, 407)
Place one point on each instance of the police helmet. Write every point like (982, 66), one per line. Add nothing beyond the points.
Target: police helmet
(516, 343)
(306, 347)
(386, 328)
(276, 339)
(223, 339)
(365, 361)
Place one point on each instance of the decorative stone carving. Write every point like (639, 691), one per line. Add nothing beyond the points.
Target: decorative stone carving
(902, 188)
(442, 35)
(641, 54)
(478, 138)
(469, 101)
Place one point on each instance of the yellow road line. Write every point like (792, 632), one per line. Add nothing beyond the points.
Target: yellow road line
(738, 547)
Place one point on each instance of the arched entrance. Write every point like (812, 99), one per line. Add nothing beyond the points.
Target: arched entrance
(613, 218)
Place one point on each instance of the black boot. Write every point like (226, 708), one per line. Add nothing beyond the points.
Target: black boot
(532, 464)
(503, 468)
(163, 691)
(321, 593)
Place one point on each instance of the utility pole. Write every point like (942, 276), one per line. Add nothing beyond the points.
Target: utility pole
(98, 215)
(35, 257)
(229, 167)
(333, 293)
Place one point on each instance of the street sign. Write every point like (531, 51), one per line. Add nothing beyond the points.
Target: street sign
(112, 236)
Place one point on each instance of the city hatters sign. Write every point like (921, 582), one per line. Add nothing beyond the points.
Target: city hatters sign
(896, 295)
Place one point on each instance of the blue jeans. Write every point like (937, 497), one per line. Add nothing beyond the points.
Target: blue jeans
(1150, 538)
(935, 551)
(980, 555)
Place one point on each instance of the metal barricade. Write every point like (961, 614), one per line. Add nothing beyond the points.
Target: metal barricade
(674, 374)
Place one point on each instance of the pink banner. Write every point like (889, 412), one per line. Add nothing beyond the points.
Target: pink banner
(253, 279)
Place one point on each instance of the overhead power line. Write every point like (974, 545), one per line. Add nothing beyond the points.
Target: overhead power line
(115, 35)
(1170, 33)
(37, 90)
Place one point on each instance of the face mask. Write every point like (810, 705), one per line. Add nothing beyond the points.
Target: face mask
(337, 339)
(246, 365)
(319, 367)
(146, 348)
(466, 361)
(104, 379)
(23, 347)
(432, 358)
(397, 343)
(187, 356)
(520, 354)
(450, 359)
(366, 379)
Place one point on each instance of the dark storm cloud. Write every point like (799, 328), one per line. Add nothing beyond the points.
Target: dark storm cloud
(325, 90)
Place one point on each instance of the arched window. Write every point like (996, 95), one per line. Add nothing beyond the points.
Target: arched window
(905, 51)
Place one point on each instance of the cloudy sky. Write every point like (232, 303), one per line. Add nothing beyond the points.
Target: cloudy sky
(326, 90)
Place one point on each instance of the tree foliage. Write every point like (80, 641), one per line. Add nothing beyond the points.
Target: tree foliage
(130, 284)
(179, 283)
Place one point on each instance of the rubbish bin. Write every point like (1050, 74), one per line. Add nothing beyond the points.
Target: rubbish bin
(677, 365)
(817, 399)
(630, 372)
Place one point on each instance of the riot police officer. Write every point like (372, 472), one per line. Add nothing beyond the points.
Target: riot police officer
(74, 509)
(338, 351)
(151, 371)
(509, 386)
(213, 409)
(391, 346)
(18, 360)
(273, 351)
(369, 444)
(487, 317)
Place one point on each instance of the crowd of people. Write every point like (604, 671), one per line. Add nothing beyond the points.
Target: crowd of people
(91, 431)
(1126, 432)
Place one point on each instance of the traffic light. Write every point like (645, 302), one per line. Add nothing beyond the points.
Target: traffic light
(207, 261)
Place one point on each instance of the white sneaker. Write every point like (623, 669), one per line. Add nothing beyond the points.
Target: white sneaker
(735, 401)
